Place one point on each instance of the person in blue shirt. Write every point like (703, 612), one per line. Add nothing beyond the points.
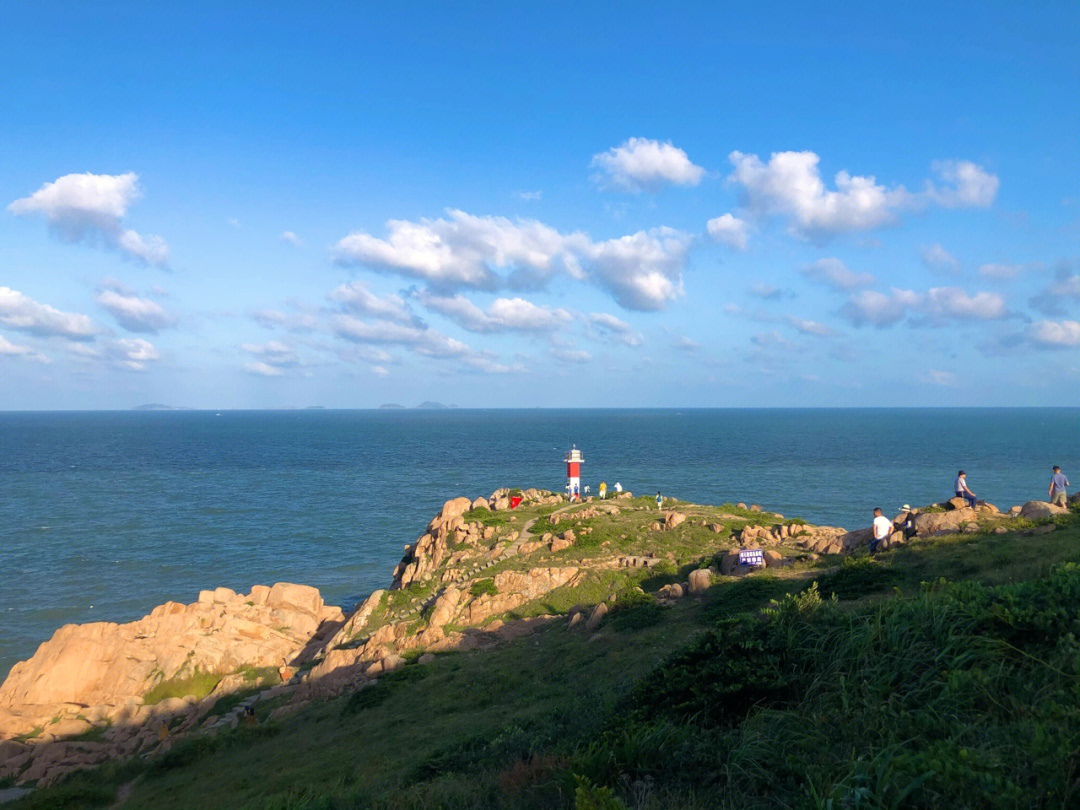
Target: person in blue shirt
(659, 501)
(962, 490)
(1058, 483)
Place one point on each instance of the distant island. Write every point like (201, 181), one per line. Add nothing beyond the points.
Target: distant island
(157, 406)
(434, 406)
(391, 406)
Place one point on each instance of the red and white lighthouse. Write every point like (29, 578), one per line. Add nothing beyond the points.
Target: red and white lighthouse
(574, 460)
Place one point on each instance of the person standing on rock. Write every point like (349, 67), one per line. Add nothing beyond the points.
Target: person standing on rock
(882, 529)
(618, 487)
(603, 490)
(1058, 483)
(659, 502)
(962, 490)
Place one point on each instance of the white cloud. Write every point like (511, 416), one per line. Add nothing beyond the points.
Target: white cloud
(729, 230)
(641, 164)
(263, 369)
(617, 329)
(9, 349)
(811, 327)
(770, 339)
(504, 314)
(1002, 271)
(530, 195)
(423, 341)
(687, 344)
(89, 207)
(836, 274)
(760, 289)
(292, 321)
(272, 354)
(458, 251)
(968, 185)
(291, 238)
(943, 378)
(936, 305)
(937, 257)
(790, 186)
(132, 354)
(379, 371)
(641, 270)
(491, 366)
(356, 297)
(133, 313)
(1055, 335)
(571, 355)
(17, 311)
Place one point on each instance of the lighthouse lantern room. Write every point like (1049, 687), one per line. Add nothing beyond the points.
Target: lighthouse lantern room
(574, 460)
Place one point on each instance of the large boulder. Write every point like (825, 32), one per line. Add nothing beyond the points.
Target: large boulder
(700, 580)
(1041, 510)
(931, 523)
(103, 663)
(455, 507)
(673, 519)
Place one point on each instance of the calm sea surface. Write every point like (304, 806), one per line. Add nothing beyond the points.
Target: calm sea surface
(105, 515)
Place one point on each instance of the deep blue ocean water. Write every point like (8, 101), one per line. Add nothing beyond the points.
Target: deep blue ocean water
(105, 515)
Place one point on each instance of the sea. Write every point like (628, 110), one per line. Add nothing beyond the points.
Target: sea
(104, 515)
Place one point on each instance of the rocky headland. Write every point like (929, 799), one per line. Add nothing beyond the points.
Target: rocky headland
(479, 574)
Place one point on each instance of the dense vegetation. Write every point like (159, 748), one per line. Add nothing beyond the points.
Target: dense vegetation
(944, 674)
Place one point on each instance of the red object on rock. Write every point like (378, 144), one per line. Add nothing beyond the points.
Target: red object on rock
(514, 501)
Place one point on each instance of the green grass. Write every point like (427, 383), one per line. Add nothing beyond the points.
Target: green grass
(200, 685)
(484, 586)
(902, 692)
(487, 517)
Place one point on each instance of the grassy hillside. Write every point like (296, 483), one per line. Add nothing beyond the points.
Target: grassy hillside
(943, 674)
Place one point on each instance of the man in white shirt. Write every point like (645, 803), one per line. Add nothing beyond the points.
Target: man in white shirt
(882, 529)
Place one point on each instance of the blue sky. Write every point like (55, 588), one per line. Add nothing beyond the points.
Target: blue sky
(557, 204)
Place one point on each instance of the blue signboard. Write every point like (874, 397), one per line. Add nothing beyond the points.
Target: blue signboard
(751, 556)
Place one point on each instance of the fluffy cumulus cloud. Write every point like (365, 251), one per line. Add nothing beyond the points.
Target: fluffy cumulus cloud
(790, 186)
(1055, 334)
(91, 208)
(966, 185)
(811, 327)
(835, 273)
(270, 358)
(642, 164)
(937, 257)
(615, 329)
(356, 297)
(18, 311)
(133, 313)
(729, 230)
(131, 354)
(641, 270)
(937, 305)
(291, 238)
(503, 314)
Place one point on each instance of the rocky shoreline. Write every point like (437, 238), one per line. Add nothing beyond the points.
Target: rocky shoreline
(477, 575)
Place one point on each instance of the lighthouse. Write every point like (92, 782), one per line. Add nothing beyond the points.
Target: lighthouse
(574, 460)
